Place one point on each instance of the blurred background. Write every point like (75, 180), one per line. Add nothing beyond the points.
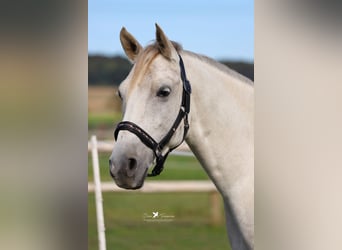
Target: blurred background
(44, 201)
(222, 30)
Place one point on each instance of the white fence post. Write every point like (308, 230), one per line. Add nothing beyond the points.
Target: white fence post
(98, 195)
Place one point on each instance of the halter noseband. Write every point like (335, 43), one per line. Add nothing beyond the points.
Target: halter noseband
(149, 141)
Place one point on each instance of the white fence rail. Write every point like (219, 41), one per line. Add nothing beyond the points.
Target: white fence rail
(149, 187)
(98, 194)
(160, 187)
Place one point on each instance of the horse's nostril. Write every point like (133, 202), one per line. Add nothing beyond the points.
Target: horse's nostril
(132, 163)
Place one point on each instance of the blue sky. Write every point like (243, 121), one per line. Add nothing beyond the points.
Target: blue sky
(221, 29)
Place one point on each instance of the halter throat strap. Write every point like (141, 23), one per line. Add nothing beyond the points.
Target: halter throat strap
(145, 138)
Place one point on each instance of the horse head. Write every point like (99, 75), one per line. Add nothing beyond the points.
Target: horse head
(151, 96)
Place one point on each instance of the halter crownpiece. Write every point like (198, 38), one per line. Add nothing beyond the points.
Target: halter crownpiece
(149, 141)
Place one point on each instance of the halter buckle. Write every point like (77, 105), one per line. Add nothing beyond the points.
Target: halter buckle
(158, 152)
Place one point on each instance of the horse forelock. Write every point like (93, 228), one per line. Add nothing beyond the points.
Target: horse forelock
(144, 60)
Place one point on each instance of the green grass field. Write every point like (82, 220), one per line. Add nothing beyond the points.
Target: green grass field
(104, 120)
(124, 213)
(126, 228)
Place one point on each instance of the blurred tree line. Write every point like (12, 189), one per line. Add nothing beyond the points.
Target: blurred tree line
(103, 70)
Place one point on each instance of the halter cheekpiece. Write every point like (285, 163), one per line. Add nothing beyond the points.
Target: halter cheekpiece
(149, 141)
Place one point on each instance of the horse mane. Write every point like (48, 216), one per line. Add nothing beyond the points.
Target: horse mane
(155, 46)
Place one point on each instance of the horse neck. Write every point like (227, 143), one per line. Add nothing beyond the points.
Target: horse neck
(221, 123)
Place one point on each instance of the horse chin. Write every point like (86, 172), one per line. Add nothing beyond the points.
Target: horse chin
(136, 187)
(129, 187)
(131, 183)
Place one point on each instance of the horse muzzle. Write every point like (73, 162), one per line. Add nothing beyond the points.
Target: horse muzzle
(127, 170)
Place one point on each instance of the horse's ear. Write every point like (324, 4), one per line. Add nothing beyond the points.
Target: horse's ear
(164, 44)
(130, 45)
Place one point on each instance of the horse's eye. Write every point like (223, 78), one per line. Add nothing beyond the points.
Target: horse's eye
(163, 92)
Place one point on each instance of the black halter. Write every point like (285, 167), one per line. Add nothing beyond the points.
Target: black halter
(149, 141)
